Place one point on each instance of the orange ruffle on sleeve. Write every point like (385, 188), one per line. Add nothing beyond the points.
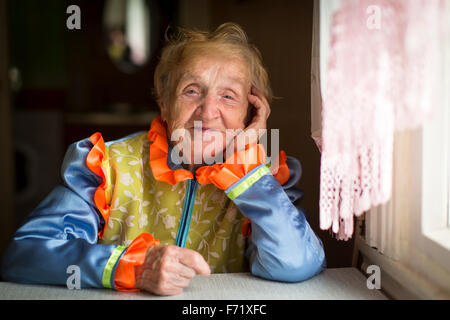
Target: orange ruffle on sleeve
(282, 174)
(124, 278)
(237, 166)
(159, 150)
(94, 163)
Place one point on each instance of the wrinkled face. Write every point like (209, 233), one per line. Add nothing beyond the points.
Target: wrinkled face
(210, 98)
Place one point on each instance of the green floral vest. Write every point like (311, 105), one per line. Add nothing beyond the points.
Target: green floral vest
(139, 203)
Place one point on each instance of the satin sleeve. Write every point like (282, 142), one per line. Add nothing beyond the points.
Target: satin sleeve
(281, 246)
(62, 231)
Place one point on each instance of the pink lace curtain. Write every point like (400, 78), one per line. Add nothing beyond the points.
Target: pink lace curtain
(381, 72)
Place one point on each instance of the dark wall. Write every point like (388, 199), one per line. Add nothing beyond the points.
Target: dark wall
(70, 70)
(282, 30)
(64, 72)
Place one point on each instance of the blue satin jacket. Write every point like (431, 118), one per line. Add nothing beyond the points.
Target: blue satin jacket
(63, 229)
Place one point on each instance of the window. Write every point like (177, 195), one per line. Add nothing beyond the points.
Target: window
(409, 237)
(434, 237)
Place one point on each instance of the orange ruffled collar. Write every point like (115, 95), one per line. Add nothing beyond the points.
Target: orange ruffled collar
(159, 151)
(222, 175)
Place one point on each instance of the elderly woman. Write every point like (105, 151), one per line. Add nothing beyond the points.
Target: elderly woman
(132, 216)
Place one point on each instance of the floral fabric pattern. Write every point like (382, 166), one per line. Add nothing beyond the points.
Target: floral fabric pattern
(139, 203)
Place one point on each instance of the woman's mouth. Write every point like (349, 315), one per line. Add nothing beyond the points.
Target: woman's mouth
(204, 129)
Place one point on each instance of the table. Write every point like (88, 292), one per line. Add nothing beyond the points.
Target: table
(339, 284)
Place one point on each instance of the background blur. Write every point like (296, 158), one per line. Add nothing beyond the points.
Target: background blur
(58, 86)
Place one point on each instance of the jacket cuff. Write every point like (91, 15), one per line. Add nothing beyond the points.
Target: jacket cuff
(108, 271)
(247, 181)
(134, 256)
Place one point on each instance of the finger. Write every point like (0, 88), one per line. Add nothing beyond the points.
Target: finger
(185, 271)
(261, 115)
(254, 101)
(262, 106)
(169, 292)
(195, 261)
(254, 90)
(176, 280)
(162, 290)
(162, 281)
(172, 267)
(153, 253)
(258, 93)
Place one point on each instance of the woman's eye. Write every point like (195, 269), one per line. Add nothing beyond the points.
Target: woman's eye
(191, 91)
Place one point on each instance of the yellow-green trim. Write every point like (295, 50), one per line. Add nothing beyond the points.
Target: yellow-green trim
(248, 182)
(107, 272)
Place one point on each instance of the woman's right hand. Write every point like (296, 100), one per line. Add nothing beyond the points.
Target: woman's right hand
(168, 269)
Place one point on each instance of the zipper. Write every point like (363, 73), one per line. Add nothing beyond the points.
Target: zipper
(186, 214)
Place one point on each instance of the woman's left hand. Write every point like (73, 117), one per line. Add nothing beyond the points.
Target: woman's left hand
(257, 99)
(258, 124)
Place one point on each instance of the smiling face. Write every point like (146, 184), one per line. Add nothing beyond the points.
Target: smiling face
(213, 89)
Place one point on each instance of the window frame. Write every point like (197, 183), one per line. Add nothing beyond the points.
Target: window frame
(432, 225)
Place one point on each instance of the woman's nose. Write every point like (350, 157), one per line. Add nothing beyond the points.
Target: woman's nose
(209, 109)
